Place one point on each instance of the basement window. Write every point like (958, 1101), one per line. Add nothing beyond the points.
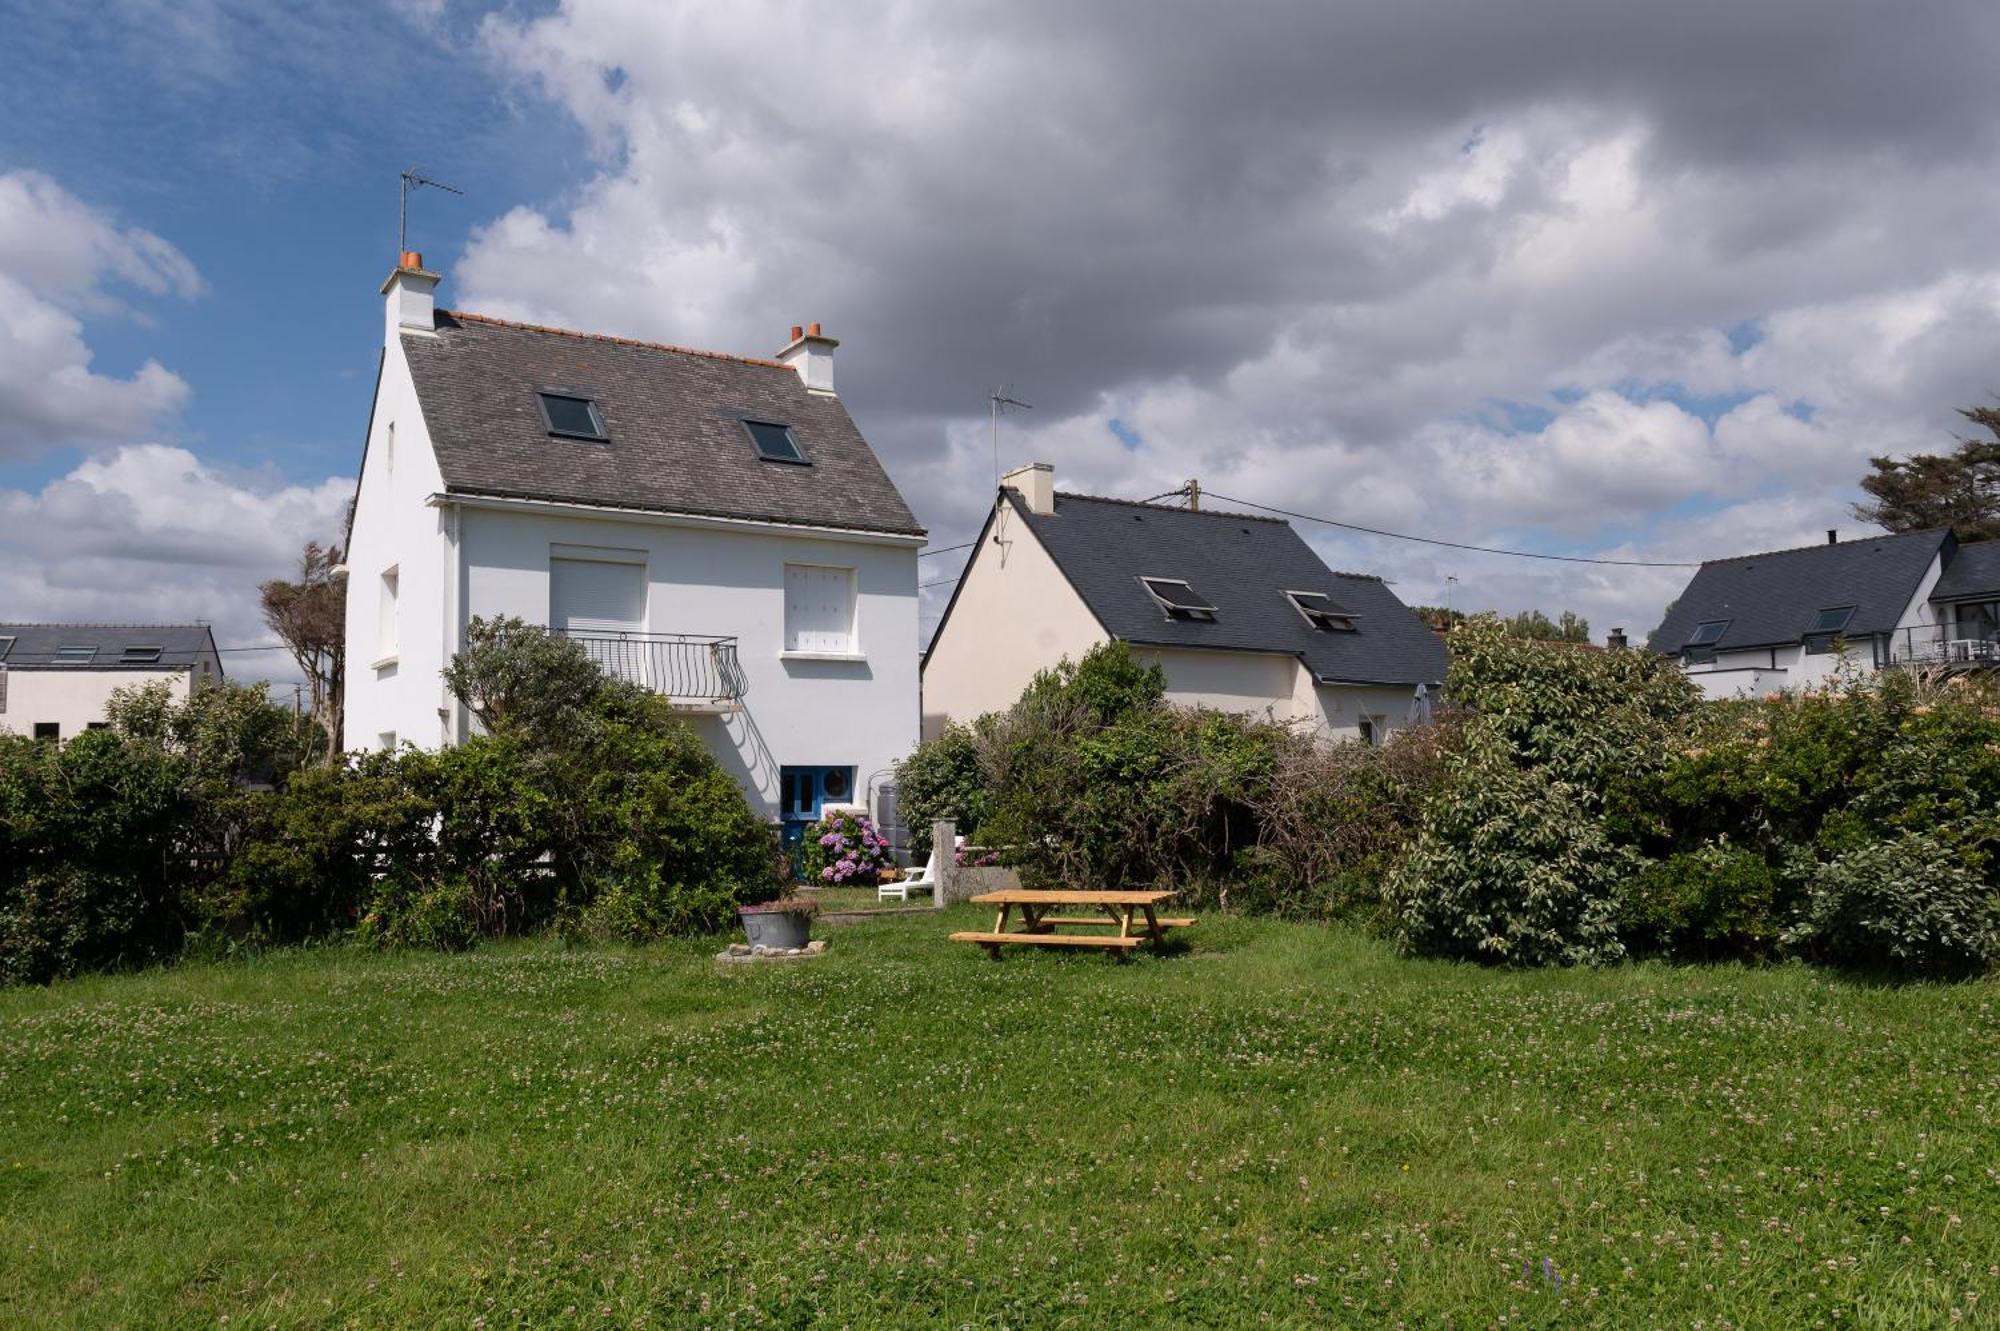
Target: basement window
(139, 656)
(1179, 600)
(1322, 611)
(774, 442)
(1826, 628)
(571, 415)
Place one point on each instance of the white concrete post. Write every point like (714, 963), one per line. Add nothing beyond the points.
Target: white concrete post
(944, 849)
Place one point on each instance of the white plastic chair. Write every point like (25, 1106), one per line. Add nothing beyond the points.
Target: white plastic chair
(900, 889)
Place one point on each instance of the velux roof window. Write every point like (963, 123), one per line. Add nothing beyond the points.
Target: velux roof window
(139, 655)
(1179, 600)
(75, 655)
(571, 415)
(1700, 646)
(1826, 628)
(1322, 611)
(774, 442)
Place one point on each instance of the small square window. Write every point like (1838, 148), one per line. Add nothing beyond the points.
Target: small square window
(774, 442)
(1178, 599)
(76, 655)
(571, 415)
(48, 731)
(1322, 611)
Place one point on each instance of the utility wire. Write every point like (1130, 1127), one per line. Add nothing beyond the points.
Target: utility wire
(1454, 545)
(945, 550)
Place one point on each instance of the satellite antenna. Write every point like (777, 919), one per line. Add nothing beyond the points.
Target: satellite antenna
(999, 400)
(414, 179)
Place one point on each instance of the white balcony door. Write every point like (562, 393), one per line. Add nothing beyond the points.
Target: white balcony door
(595, 601)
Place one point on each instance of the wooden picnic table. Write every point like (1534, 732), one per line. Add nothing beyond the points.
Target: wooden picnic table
(1134, 914)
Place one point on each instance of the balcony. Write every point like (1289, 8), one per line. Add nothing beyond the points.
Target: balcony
(696, 673)
(1939, 647)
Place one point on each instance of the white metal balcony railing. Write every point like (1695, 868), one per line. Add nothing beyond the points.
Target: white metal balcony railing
(1941, 645)
(691, 670)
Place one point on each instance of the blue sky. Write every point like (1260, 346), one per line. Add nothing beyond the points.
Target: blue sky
(1657, 291)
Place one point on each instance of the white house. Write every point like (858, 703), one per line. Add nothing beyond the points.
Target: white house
(1237, 610)
(713, 527)
(56, 679)
(1790, 619)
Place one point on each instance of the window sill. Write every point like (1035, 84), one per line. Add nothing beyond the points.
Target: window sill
(822, 656)
(383, 662)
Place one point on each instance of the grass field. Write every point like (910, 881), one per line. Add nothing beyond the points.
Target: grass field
(1280, 1126)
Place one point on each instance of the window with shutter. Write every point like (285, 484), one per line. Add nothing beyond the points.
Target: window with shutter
(819, 609)
(588, 596)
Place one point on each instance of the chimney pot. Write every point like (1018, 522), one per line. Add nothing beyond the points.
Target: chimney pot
(1832, 536)
(797, 332)
(813, 330)
(411, 259)
(811, 354)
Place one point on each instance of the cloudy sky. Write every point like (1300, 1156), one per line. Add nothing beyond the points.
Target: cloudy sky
(1634, 281)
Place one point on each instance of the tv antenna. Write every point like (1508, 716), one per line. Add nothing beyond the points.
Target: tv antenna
(414, 179)
(998, 401)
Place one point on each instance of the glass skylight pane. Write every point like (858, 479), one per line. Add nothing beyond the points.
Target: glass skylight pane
(1832, 621)
(1176, 593)
(75, 653)
(1705, 634)
(572, 415)
(774, 441)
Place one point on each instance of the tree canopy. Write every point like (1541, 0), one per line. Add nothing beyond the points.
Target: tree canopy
(1959, 489)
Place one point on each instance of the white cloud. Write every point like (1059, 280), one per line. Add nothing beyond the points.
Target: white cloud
(151, 534)
(1451, 278)
(60, 261)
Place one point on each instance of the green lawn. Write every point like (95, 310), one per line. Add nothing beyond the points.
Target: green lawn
(1282, 1126)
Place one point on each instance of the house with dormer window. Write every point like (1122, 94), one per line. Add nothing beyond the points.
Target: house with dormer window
(1793, 619)
(1238, 611)
(709, 526)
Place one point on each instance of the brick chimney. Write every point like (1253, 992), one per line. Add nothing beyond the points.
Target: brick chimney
(412, 296)
(1035, 482)
(810, 352)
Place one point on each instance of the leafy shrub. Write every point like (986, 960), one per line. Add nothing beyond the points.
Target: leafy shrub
(843, 850)
(1916, 904)
(1511, 866)
(1717, 902)
(941, 779)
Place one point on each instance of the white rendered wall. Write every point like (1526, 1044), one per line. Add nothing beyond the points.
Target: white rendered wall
(393, 525)
(1016, 614)
(75, 698)
(730, 581)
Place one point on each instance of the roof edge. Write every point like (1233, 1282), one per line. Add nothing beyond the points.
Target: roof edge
(466, 316)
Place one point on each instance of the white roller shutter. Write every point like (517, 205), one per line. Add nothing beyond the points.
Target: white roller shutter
(819, 608)
(586, 596)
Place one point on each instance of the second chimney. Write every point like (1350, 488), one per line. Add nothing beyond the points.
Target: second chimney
(810, 352)
(1832, 536)
(1035, 482)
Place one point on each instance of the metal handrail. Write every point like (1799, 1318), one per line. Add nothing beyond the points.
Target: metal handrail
(686, 667)
(1940, 645)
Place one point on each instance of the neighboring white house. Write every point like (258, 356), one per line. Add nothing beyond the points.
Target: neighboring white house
(1238, 610)
(56, 679)
(1790, 619)
(712, 527)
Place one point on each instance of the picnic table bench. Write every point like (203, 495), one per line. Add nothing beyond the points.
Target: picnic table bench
(1135, 915)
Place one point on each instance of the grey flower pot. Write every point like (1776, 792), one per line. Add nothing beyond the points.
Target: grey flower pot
(776, 928)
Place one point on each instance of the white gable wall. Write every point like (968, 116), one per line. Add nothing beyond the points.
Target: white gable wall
(1015, 614)
(397, 691)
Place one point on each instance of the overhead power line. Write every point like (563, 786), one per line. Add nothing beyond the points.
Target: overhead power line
(945, 550)
(1454, 545)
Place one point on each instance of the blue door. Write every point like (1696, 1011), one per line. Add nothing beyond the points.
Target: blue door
(804, 793)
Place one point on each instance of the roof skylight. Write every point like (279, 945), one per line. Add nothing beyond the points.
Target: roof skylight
(774, 442)
(139, 655)
(1708, 634)
(1322, 611)
(571, 415)
(1178, 599)
(75, 653)
(1831, 620)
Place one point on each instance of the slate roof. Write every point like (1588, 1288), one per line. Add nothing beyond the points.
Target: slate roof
(35, 646)
(1972, 574)
(674, 417)
(1770, 599)
(1243, 566)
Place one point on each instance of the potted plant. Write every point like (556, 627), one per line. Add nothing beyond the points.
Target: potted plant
(778, 925)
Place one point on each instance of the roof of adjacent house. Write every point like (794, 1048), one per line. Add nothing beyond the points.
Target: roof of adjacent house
(1972, 574)
(1771, 599)
(36, 646)
(674, 420)
(1242, 566)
